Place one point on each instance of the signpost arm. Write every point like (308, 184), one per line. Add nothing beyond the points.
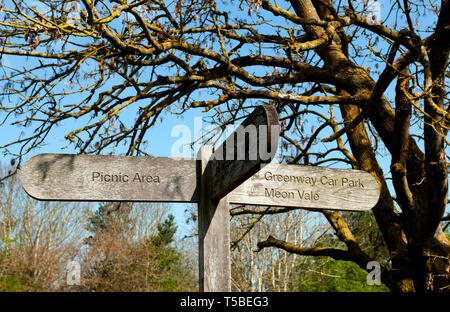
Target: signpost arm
(214, 233)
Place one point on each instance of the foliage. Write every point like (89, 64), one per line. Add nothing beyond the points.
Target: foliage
(97, 222)
(10, 284)
(166, 232)
(121, 265)
(325, 275)
(112, 217)
(117, 260)
(367, 232)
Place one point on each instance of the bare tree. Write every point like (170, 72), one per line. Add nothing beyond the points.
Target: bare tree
(38, 238)
(271, 270)
(321, 63)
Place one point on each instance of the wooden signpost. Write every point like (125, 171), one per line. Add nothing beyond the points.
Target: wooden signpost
(308, 187)
(236, 172)
(67, 177)
(110, 178)
(155, 179)
(252, 144)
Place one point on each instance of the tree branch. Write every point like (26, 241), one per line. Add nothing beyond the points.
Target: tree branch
(337, 254)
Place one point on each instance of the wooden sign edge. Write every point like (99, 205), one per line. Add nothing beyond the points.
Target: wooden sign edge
(25, 186)
(378, 191)
(271, 119)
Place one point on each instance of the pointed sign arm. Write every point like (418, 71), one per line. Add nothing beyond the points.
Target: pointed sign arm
(253, 144)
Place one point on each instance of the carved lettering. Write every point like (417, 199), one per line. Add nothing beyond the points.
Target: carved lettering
(269, 176)
(279, 194)
(98, 176)
(352, 183)
(312, 196)
(105, 177)
(313, 181)
(302, 195)
(328, 181)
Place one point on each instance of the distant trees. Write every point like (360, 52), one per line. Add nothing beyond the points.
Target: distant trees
(327, 274)
(37, 239)
(120, 247)
(268, 270)
(256, 269)
(119, 258)
(322, 274)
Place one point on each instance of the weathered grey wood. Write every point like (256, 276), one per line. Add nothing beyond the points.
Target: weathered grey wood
(308, 187)
(121, 178)
(86, 178)
(71, 177)
(110, 178)
(241, 155)
(213, 233)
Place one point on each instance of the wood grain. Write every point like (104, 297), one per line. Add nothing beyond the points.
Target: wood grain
(213, 234)
(308, 187)
(253, 143)
(67, 177)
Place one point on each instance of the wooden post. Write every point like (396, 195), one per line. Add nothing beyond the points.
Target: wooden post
(258, 147)
(213, 233)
